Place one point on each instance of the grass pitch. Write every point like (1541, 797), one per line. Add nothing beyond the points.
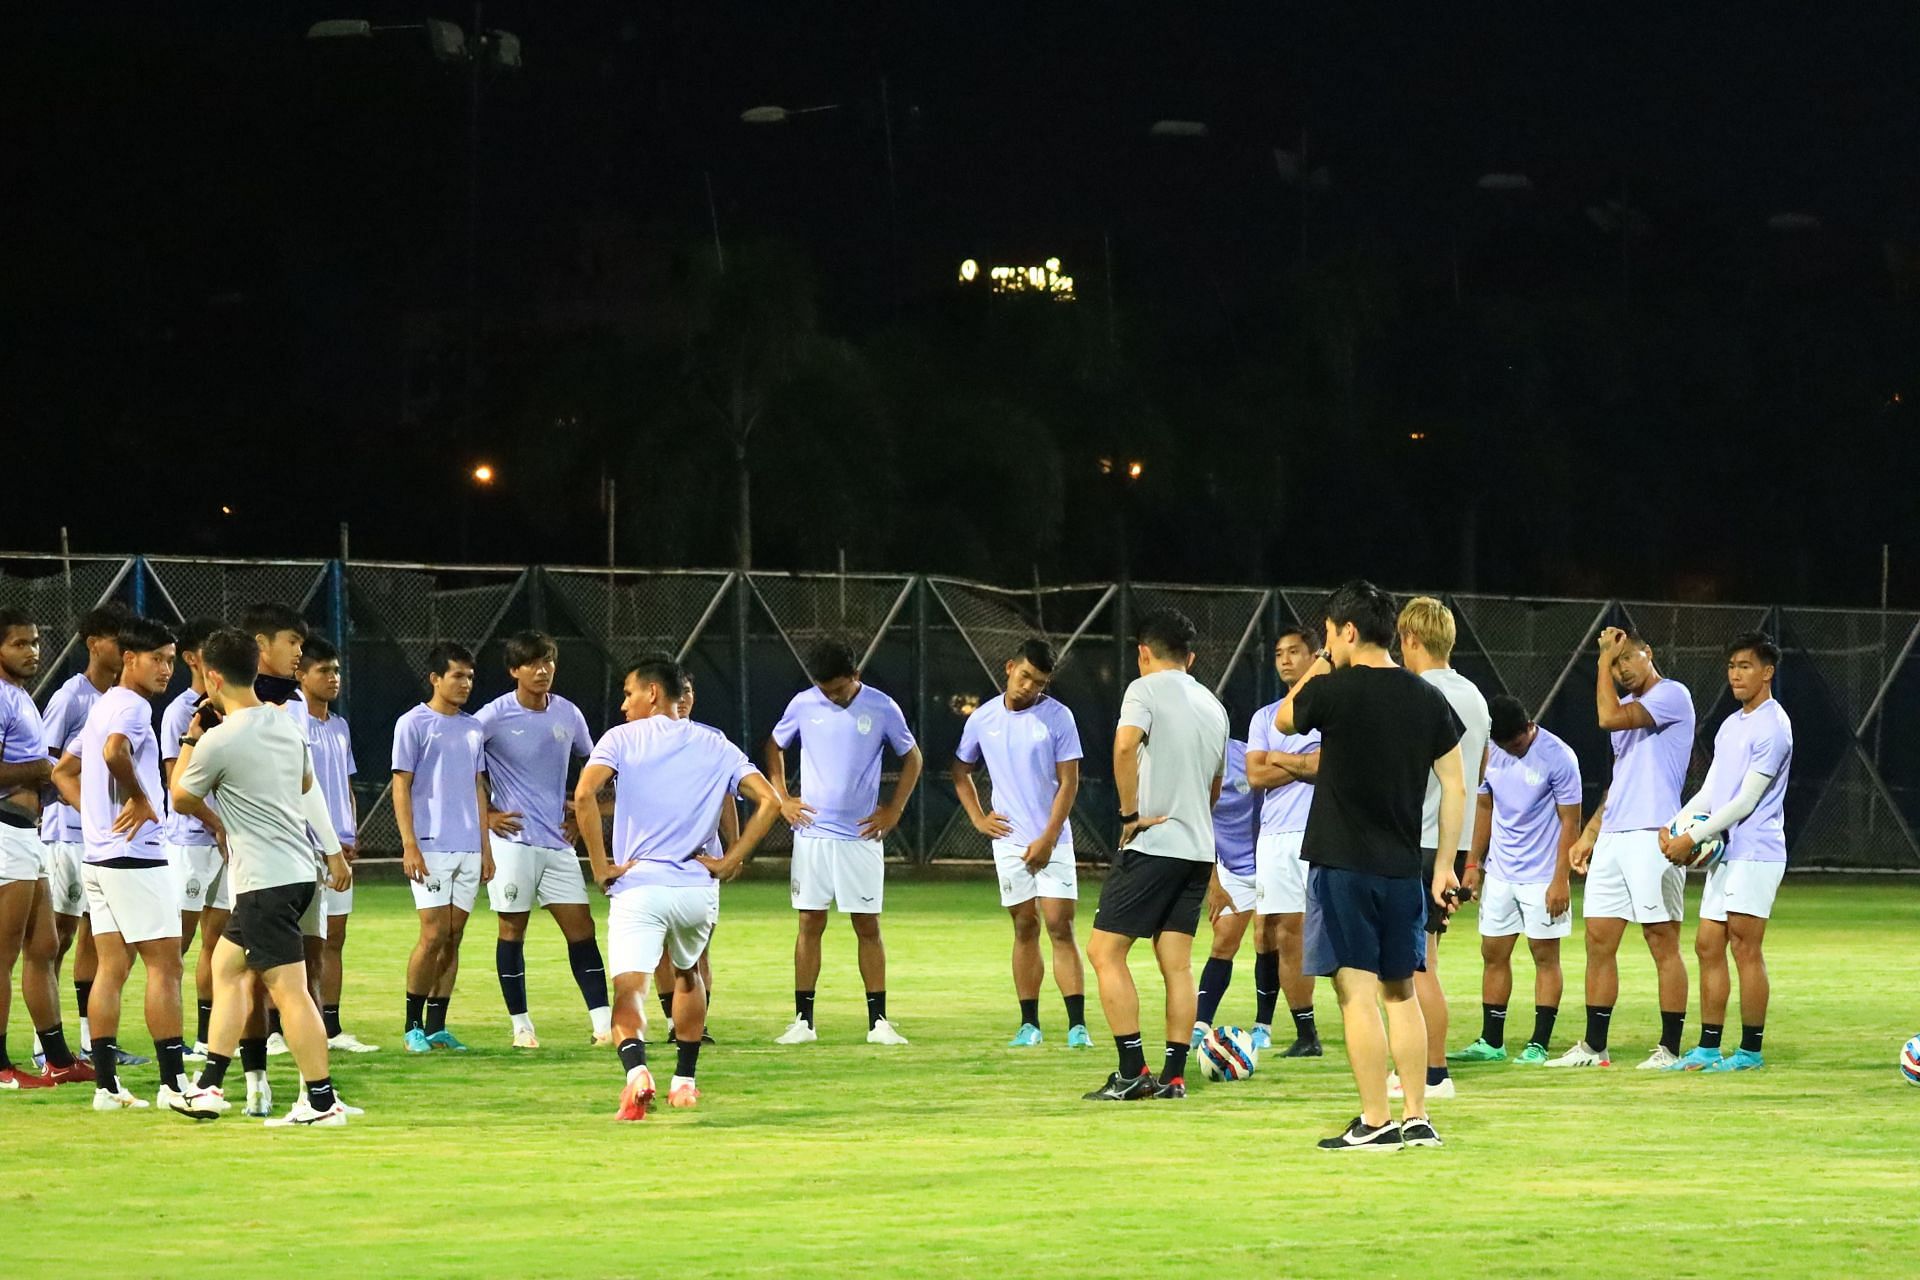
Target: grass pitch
(960, 1157)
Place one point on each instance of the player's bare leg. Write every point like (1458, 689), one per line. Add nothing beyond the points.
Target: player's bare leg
(575, 921)
(630, 1035)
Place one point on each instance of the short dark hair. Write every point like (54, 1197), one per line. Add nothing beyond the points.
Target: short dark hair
(270, 619)
(1309, 636)
(1168, 633)
(144, 635)
(1507, 719)
(317, 649)
(1758, 643)
(194, 632)
(662, 669)
(11, 618)
(830, 659)
(1368, 608)
(524, 647)
(232, 652)
(444, 654)
(1036, 653)
(104, 620)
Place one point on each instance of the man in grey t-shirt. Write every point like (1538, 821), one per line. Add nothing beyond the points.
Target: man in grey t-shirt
(257, 761)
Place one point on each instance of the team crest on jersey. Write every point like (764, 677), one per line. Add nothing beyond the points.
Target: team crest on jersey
(1533, 778)
(560, 733)
(1242, 785)
(864, 724)
(1039, 732)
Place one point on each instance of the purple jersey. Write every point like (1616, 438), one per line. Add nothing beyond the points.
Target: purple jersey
(1527, 790)
(1760, 741)
(444, 754)
(180, 828)
(1282, 808)
(1236, 815)
(330, 742)
(23, 738)
(672, 776)
(1023, 751)
(1650, 765)
(65, 715)
(528, 753)
(119, 711)
(840, 754)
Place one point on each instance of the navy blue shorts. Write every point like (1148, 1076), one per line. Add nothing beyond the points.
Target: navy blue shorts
(1361, 921)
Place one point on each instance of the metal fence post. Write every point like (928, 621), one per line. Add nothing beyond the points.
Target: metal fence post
(537, 598)
(921, 713)
(339, 627)
(742, 604)
(140, 585)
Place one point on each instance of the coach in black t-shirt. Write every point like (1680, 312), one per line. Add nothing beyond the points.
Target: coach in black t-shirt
(1383, 730)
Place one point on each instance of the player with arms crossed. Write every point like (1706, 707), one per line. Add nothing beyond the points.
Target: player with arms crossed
(1030, 746)
(1169, 754)
(1235, 888)
(670, 778)
(1520, 867)
(330, 745)
(1282, 766)
(838, 825)
(1744, 797)
(1383, 732)
(532, 736)
(440, 803)
(1650, 719)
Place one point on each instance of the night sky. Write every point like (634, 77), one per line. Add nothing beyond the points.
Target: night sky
(237, 278)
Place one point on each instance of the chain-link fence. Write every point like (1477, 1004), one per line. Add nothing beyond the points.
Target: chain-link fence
(938, 646)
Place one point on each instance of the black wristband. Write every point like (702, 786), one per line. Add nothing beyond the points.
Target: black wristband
(1125, 818)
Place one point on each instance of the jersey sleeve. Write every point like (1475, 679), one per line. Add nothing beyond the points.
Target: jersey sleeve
(1260, 730)
(1447, 729)
(1566, 779)
(406, 744)
(1066, 736)
(172, 727)
(1771, 752)
(130, 717)
(204, 771)
(969, 748)
(582, 736)
(1135, 711)
(346, 734)
(1667, 703)
(898, 735)
(606, 752)
(54, 720)
(488, 720)
(788, 726)
(740, 767)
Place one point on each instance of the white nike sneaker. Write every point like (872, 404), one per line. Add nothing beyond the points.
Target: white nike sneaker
(347, 1042)
(523, 1038)
(602, 1039)
(883, 1033)
(1659, 1060)
(1444, 1089)
(196, 1054)
(801, 1032)
(214, 1099)
(1580, 1056)
(302, 1113)
(121, 1101)
(348, 1107)
(259, 1099)
(276, 1045)
(187, 1104)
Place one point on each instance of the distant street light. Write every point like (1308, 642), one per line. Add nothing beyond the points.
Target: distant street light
(1135, 470)
(483, 474)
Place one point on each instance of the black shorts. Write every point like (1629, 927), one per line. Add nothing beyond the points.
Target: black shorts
(266, 924)
(1145, 894)
(1360, 921)
(1436, 914)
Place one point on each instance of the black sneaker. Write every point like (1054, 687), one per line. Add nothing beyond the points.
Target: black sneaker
(706, 1037)
(1174, 1088)
(1359, 1137)
(1304, 1047)
(1418, 1132)
(1120, 1089)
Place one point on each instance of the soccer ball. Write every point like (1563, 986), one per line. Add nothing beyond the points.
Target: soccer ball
(1910, 1061)
(1706, 853)
(1227, 1053)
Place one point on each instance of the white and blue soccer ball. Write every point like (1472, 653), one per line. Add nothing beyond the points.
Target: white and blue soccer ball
(1706, 853)
(1910, 1061)
(1227, 1053)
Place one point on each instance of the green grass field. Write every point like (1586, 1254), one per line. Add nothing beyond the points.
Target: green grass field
(960, 1157)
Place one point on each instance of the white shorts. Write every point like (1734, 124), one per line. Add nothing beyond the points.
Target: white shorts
(1058, 879)
(20, 854)
(1279, 877)
(648, 919)
(1630, 879)
(313, 921)
(204, 882)
(1507, 908)
(337, 904)
(452, 878)
(1744, 888)
(1243, 892)
(65, 862)
(849, 874)
(526, 876)
(138, 903)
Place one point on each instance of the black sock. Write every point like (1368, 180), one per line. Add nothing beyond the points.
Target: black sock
(172, 1053)
(1599, 1020)
(253, 1053)
(1304, 1026)
(1543, 1020)
(689, 1051)
(1751, 1033)
(320, 1093)
(1174, 1065)
(205, 1017)
(633, 1053)
(106, 1064)
(1076, 1010)
(1030, 1013)
(876, 1007)
(53, 1043)
(214, 1074)
(1671, 1026)
(1215, 976)
(1435, 1075)
(803, 1005)
(666, 1007)
(6, 1063)
(436, 1014)
(1710, 1033)
(82, 992)
(1493, 1024)
(589, 972)
(416, 1007)
(273, 1023)
(1266, 986)
(510, 963)
(1133, 1058)
(330, 1016)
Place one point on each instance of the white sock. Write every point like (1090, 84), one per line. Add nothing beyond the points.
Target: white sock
(634, 1073)
(36, 1044)
(678, 1081)
(602, 1019)
(86, 1036)
(256, 1080)
(523, 1021)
